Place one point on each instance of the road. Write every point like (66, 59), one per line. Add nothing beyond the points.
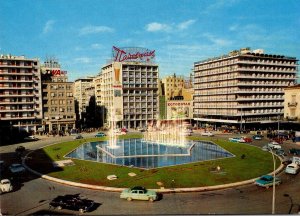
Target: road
(34, 195)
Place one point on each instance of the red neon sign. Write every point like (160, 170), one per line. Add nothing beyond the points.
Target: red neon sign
(132, 54)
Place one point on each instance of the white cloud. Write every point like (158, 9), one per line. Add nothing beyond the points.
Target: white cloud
(186, 24)
(48, 26)
(216, 40)
(96, 46)
(154, 26)
(84, 60)
(95, 29)
(162, 27)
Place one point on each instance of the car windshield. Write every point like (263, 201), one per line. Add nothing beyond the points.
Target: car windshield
(266, 178)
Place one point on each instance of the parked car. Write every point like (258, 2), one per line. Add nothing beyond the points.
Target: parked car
(207, 133)
(292, 168)
(78, 136)
(72, 202)
(139, 193)
(267, 181)
(274, 145)
(5, 186)
(237, 139)
(247, 139)
(16, 168)
(100, 134)
(257, 137)
(30, 138)
(280, 152)
(294, 151)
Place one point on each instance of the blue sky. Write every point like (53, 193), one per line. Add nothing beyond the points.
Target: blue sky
(80, 34)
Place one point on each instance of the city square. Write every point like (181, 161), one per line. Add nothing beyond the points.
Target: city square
(118, 102)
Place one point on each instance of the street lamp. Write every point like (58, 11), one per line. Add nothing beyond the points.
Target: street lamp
(274, 167)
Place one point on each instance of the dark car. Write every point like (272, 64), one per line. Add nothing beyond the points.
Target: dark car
(72, 202)
(294, 151)
(280, 152)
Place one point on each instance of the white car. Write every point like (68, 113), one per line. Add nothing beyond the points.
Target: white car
(207, 133)
(16, 168)
(292, 168)
(274, 145)
(30, 138)
(5, 186)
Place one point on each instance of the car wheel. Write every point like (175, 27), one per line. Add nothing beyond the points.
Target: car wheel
(151, 199)
(59, 207)
(129, 198)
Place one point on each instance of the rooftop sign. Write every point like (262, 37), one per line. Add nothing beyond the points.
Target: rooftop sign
(130, 54)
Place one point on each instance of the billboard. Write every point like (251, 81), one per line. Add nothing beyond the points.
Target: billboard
(132, 54)
(179, 110)
(117, 91)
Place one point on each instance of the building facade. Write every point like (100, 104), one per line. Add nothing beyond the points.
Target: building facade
(292, 103)
(20, 92)
(242, 87)
(58, 99)
(82, 93)
(176, 98)
(129, 88)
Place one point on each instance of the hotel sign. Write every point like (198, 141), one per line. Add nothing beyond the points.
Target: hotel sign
(132, 54)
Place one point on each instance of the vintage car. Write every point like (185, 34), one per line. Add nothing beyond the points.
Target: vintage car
(16, 168)
(267, 181)
(207, 133)
(78, 136)
(292, 168)
(274, 145)
(100, 134)
(294, 151)
(257, 137)
(72, 202)
(237, 139)
(138, 193)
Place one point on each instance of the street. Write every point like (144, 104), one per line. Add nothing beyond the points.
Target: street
(34, 195)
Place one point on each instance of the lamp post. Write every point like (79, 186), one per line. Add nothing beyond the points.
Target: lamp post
(273, 195)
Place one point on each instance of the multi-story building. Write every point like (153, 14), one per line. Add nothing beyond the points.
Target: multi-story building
(20, 92)
(242, 87)
(97, 84)
(82, 93)
(292, 103)
(129, 88)
(176, 98)
(58, 99)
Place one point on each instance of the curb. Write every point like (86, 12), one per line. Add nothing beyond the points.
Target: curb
(172, 190)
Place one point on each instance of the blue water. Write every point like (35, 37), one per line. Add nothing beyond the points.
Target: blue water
(138, 153)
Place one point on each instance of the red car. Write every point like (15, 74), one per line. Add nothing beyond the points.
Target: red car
(247, 139)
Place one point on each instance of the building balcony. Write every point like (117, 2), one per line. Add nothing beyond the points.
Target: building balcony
(292, 104)
(16, 80)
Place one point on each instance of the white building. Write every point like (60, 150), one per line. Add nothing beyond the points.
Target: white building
(20, 92)
(242, 87)
(129, 88)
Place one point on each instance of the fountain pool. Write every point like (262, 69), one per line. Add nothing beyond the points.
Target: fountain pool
(146, 154)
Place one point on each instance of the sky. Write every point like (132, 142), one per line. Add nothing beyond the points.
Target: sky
(81, 33)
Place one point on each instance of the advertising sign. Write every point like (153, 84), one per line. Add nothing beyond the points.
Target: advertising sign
(132, 54)
(117, 90)
(179, 110)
